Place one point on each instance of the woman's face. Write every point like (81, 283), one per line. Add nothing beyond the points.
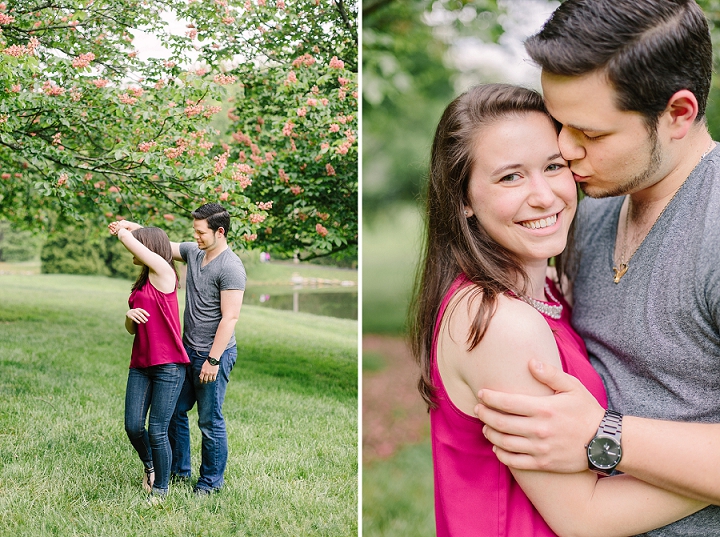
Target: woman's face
(521, 190)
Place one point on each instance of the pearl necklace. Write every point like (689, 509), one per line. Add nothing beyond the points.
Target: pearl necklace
(554, 311)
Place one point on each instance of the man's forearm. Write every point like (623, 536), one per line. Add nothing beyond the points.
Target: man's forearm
(222, 336)
(676, 456)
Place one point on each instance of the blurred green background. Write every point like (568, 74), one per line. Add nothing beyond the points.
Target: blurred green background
(417, 56)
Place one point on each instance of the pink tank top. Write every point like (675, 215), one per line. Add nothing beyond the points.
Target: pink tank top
(475, 494)
(157, 341)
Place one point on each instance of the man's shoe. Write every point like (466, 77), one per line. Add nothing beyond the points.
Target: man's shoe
(176, 479)
(199, 491)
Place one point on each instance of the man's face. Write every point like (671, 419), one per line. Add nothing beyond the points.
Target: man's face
(205, 237)
(611, 152)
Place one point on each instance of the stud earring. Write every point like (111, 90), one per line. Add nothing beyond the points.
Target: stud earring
(466, 212)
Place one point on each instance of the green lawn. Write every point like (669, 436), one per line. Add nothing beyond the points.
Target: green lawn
(398, 494)
(391, 245)
(67, 468)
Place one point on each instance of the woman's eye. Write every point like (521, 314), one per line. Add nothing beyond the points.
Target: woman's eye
(554, 167)
(510, 178)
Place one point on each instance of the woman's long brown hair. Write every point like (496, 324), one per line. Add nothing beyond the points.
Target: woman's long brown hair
(455, 244)
(155, 240)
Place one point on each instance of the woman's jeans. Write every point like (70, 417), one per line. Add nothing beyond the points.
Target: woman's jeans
(155, 389)
(209, 397)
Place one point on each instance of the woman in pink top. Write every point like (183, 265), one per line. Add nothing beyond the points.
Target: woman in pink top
(157, 363)
(500, 204)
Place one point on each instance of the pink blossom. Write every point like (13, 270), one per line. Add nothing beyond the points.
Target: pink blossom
(257, 159)
(126, 99)
(284, 176)
(100, 82)
(341, 94)
(113, 189)
(287, 129)
(224, 196)
(249, 237)
(227, 19)
(354, 94)
(291, 78)
(223, 80)
(193, 109)
(280, 4)
(322, 216)
(221, 162)
(322, 231)
(169, 64)
(302, 112)
(343, 81)
(15, 88)
(50, 88)
(270, 156)
(63, 179)
(56, 138)
(132, 54)
(265, 206)
(211, 111)
(241, 138)
(174, 152)
(159, 84)
(334, 127)
(6, 175)
(137, 92)
(99, 185)
(324, 146)
(146, 146)
(324, 102)
(261, 2)
(83, 60)
(206, 145)
(75, 94)
(169, 217)
(336, 64)
(350, 135)
(343, 149)
(256, 218)
(295, 189)
(6, 19)
(329, 169)
(192, 33)
(312, 102)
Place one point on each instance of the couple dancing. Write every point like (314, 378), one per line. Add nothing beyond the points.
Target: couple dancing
(625, 87)
(169, 373)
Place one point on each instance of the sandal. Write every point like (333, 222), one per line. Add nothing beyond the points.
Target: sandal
(148, 479)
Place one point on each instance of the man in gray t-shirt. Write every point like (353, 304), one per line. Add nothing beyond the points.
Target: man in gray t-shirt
(215, 285)
(628, 82)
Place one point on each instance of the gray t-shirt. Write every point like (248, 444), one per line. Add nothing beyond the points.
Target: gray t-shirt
(655, 336)
(202, 297)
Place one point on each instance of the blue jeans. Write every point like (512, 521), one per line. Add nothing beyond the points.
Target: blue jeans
(155, 389)
(209, 397)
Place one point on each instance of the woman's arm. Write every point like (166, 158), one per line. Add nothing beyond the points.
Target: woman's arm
(164, 277)
(576, 504)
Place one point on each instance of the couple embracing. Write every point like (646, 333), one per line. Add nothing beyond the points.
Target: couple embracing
(625, 442)
(169, 373)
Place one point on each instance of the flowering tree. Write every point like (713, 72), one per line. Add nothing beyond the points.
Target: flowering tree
(88, 130)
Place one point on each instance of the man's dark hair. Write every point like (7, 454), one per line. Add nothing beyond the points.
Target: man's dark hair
(215, 214)
(649, 49)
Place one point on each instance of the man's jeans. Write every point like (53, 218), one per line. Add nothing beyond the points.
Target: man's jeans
(156, 389)
(209, 398)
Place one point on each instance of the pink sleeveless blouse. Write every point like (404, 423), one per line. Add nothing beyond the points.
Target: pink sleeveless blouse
(475, 494)
(158, 341)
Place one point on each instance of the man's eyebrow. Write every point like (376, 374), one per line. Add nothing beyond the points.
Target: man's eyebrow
(581, 128)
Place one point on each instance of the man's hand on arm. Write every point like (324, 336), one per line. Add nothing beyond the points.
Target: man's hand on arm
(542, 432)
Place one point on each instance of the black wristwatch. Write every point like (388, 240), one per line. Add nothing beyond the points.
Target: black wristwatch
(213, 361)
(603, 451)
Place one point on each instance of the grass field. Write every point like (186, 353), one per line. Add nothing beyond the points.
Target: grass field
(391, 245)
(67, 468)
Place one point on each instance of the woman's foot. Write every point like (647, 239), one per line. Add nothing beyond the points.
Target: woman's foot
(148, 479)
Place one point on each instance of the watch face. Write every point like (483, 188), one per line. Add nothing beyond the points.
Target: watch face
(604, 452)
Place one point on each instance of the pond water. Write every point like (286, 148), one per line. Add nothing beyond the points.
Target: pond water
(339, 302)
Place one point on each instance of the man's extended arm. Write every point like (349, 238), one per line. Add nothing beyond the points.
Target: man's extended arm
(550, 433)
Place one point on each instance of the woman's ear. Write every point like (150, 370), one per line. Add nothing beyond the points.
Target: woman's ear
(468, 212)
